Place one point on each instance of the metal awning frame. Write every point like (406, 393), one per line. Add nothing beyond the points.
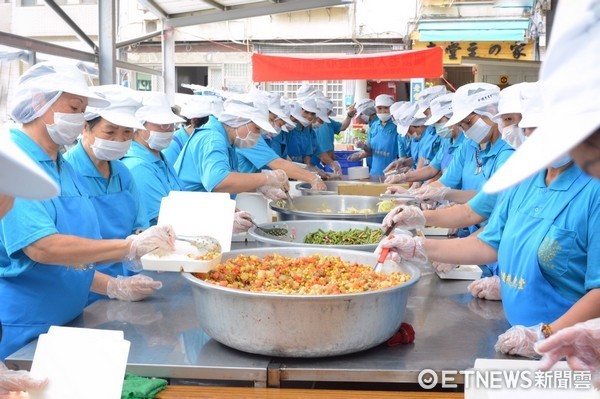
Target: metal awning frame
(105, 52)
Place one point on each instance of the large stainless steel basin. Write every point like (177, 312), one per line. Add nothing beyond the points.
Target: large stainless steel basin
(301, 228)
(298, 325)
(332, 187)
(311, 208)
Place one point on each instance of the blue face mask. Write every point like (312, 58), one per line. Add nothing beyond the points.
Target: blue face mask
(562, 161)
(443, 132)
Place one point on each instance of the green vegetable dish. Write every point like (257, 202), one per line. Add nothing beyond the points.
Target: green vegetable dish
(347, 237)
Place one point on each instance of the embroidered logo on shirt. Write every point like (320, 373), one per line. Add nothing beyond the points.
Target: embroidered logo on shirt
(548, 251)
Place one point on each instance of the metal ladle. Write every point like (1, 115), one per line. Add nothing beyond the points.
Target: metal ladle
(274, 231)
(204, 244)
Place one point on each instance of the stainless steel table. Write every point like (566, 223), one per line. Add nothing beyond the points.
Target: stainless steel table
(452, 330)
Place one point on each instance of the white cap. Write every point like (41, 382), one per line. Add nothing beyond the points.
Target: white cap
(365, 106)
(202, 106)
(405, 117)
(42, 84)
(532, 107)
(322, 111)
(384, 100)
(427, 96)
(481, 98)
(124, 103)
(309, 105)
(281, 109)
(296, 112)
(156, 109)
(440, 106)
(305, 91)
(570, 81)
(395, 107)
(237, 113)
(510, 100)
(21, 176)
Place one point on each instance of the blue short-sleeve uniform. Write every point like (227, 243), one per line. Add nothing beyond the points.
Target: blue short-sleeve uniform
(279, 144)
(154, 177)
(326, 136)
(207, 158)
(552, 231)
(251, 160)
(299, 143)
(172, 151)
(404, 146)
(33, 295)
(429, 145)
(116, 200)
(383, 140)
(444, 156)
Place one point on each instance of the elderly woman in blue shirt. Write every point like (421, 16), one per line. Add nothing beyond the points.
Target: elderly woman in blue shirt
(106, 138)
(50, 248)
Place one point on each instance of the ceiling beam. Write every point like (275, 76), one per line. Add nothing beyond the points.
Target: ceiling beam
(249, 11)
(80, 33)
(39, 46)
(215, 4)
(138, 39)
(154, 8)
(137, 68)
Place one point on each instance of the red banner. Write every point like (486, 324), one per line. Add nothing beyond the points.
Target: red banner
(426, 63)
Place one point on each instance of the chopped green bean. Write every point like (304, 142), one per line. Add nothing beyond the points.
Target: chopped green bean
(346, 237)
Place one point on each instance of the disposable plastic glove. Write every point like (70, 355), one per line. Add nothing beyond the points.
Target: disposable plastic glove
(156, 237)
(405, 217)
(430, 194)
(318, 184)
(486, 288)
(18, 381)
(396, 190)
(272, 193)
(319, 172)
(337, 168)
(579, 343)
(396, 179)
(404, 247)
(399, 163)
(241, 222)
(133, 288)
(277, 178)
(520, 340)
(359, 144)
(357, 156)
(443, 267)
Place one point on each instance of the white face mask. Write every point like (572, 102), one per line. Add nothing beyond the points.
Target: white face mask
(443, 132)
(158, 141)
(478, 131)
(316, 125)
(562, 161)
(384, 117)
(277, 129)
(513, 135)
(365, 118)
(250, 140)
(107, 150)
(66, 127)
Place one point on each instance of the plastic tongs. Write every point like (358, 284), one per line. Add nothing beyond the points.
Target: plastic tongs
(384, 251)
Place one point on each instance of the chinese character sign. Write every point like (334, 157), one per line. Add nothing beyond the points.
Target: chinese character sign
(454, 51)
(416, 86)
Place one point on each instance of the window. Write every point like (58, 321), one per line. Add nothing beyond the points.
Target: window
(236, 77)
(334, 89)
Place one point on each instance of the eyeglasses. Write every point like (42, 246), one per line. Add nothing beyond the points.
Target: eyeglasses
(467, 123)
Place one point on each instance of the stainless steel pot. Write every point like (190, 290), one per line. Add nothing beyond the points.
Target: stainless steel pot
(301, 228)
(309, 207)
(301, 325)
(332, 187)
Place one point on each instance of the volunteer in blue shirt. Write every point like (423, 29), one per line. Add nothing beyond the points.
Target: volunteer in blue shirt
(365, 109)
(153, 175)
(53, 246)
(327, 132)
(299, 139)
(24, 179)
(106, 138)
(382, 139)
(474, 105)
(196, 110)
(208, 161)
(254, 159)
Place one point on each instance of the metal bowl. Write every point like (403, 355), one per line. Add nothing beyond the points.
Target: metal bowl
(301, 325)
(307, 208)
(301, 228)
(332, 187)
